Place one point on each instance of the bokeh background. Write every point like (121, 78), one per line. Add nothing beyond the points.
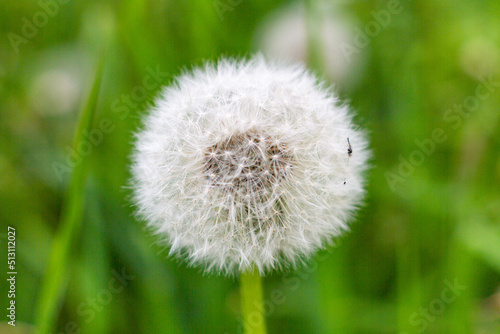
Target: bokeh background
(423, 255)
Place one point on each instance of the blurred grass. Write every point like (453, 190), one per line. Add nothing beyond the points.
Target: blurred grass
(55, 277)
(441, 223)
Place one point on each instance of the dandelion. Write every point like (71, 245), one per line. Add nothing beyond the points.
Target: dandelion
(286, 34)
(245, 165)
(55, 92)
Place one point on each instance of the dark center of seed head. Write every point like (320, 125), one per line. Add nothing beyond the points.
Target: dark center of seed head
(248, 163)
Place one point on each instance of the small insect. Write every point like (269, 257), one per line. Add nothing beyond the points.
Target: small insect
(349, 152)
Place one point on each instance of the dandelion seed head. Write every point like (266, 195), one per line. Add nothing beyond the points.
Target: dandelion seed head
(285, 34)
(242, 164)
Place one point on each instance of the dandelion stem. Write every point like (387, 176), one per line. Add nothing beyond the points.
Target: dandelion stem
(252, 303)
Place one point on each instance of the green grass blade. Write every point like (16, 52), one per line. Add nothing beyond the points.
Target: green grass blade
(54, 282)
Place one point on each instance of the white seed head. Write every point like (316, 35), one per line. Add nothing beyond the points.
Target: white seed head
(246, 164)
(286, 35)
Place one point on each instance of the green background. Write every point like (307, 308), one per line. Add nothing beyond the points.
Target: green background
(438, 225)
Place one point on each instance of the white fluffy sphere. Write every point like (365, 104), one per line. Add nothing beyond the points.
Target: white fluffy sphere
(285, 35)
(245, 165)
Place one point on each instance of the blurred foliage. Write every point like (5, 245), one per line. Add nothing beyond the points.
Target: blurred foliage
(437, 226)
